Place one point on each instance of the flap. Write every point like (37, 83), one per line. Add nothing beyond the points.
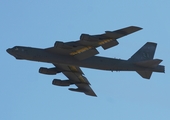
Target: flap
(86, 54)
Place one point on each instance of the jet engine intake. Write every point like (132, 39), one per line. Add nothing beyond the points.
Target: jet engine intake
(58, 44)
(87, 37)
(59, 82)
(48, 71)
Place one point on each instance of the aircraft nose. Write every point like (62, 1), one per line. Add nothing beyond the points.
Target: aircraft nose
(8, 50)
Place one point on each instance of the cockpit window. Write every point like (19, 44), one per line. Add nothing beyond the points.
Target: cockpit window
(16, 48)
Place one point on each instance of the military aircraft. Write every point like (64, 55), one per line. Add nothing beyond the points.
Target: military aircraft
(68, 57)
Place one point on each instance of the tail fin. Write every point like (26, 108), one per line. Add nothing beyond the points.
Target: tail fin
(144, 58)
(146, 52)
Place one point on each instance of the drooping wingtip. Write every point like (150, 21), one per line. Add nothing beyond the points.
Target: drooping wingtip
(132, 29)
(136, 27)
(122, 32)
(91, 94)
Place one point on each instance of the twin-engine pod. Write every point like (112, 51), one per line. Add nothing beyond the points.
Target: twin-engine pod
(49, 71)
(58, 44)
(106, 41)
(87, 37)
(59, 82)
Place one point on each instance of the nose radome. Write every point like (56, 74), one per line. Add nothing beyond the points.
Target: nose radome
(8, 50)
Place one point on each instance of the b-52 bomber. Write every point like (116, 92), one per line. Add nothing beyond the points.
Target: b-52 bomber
(68, 57)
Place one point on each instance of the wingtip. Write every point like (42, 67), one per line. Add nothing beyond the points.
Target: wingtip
(136, 27)
(91, 94)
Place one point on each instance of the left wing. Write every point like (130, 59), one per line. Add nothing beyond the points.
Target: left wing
(86, 46)
(75, 76)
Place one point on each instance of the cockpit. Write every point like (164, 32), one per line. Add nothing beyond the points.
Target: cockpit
(17, 48)
(16, 51)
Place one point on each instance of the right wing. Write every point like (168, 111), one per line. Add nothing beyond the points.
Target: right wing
(86, 46)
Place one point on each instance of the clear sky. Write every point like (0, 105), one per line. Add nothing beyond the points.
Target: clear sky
(27, 95)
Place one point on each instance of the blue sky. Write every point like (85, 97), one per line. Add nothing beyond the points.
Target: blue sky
(26, 94)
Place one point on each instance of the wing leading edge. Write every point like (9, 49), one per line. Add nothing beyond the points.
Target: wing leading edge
(75, 76)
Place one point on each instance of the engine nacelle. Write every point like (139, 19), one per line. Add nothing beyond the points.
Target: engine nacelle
(58, 44)
(48, 71)
(87, 37)
(59, 82)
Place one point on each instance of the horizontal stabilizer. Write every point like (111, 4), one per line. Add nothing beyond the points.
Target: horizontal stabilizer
(149, 63)
(145, 74)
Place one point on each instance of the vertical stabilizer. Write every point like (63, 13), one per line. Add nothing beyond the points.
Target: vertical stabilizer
(146, 52)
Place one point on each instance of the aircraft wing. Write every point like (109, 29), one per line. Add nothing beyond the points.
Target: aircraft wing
(76, 76)
(108, 39)
(86, 46)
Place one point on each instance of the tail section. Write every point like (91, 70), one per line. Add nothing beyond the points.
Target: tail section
(144, 58)
(144, 53)
(145, 74)
(149, 64)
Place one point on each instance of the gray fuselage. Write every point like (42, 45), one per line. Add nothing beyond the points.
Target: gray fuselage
(95, 62)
